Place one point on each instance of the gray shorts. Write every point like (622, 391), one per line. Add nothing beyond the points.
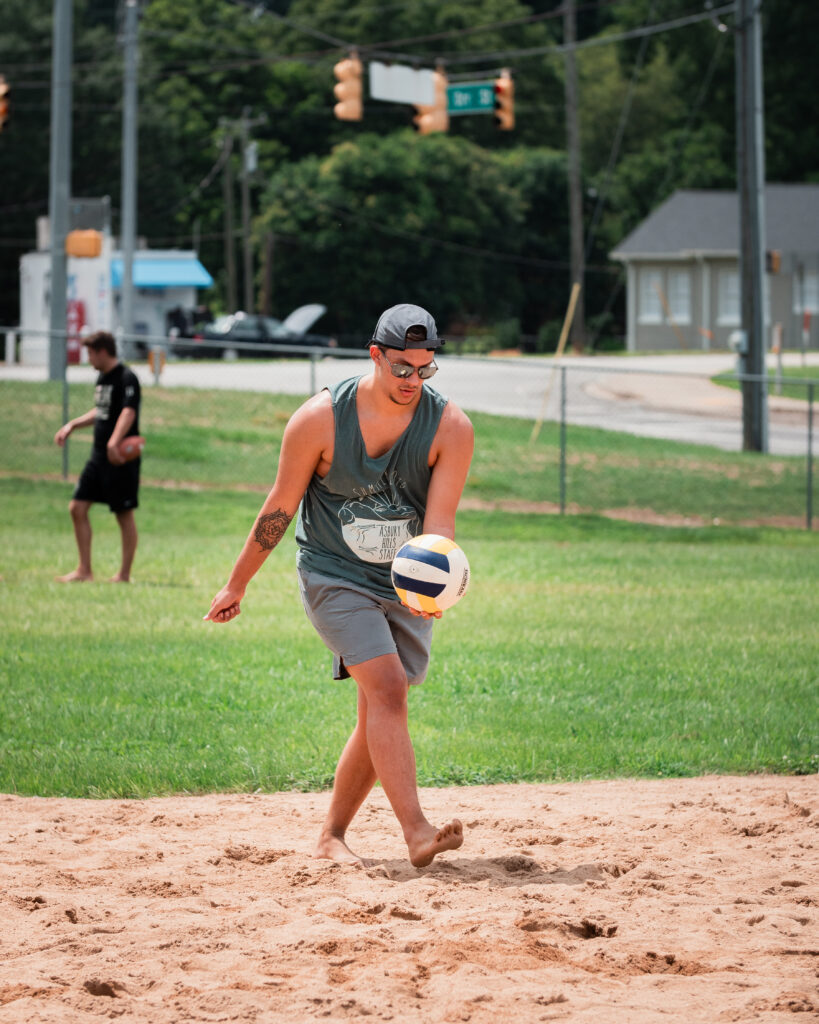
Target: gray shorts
(356, 625)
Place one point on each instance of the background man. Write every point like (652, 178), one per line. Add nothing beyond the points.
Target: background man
(372, 461)
(106, 476)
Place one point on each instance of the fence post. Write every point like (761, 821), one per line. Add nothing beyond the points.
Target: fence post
(313, 361)
(562, 440)
(11, 346)
(809, 504)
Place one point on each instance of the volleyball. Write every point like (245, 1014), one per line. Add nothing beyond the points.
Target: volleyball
(430, 573)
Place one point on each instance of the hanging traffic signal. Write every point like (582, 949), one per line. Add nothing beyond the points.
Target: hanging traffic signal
(4, 102)
(348, 89)
(505, 102)
(434, 118)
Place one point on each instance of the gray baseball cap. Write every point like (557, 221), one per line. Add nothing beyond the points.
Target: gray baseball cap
(393, 324)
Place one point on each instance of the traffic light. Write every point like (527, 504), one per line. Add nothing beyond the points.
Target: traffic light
(773, 261)
(348, 89)
(83, 243)
(505, 102)
(436, 117)
(4, 102)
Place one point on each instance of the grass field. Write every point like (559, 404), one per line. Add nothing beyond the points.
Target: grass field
(791, 376)
(585, 648)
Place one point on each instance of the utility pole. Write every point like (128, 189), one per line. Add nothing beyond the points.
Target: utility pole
(249, 164)
(267, 275)
(751, 188)
(577, 257)
(60, 183)
(247, 271)
(227, 204)
(129, 170)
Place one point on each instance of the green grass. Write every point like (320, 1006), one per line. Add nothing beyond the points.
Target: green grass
(790, 376)
(224, 438)
(585, 648)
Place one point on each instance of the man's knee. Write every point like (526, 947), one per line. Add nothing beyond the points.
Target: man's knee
(385, 684)
(78, 510)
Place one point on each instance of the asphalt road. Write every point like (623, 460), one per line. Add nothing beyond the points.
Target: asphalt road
(668, 397)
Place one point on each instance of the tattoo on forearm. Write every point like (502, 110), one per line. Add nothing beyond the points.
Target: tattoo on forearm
(271, 528)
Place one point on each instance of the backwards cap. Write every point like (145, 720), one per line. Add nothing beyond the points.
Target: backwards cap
(393, 324)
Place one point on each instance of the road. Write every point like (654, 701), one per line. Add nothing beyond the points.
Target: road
(669, 397)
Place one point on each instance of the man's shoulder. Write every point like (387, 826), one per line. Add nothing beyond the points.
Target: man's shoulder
(315, 412)
(455, 426)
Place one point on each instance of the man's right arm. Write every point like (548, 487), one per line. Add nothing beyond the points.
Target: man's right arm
(86, 420)
(307, 438)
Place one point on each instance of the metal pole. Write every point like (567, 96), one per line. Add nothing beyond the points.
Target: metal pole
(129, 172)
(227, 199)
(809, 512)
(751, 187)
(562, 440)
(65, 420)
(246, 240)
(576, 254)
(313, 361)
(60, 183)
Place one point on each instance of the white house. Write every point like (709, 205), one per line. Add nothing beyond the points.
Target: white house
(683, 271)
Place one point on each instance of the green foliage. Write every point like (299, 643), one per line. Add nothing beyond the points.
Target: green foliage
(372, 210)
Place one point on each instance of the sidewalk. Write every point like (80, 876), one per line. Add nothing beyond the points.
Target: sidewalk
(685, 386)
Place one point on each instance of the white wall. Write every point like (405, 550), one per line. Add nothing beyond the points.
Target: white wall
(88, 280)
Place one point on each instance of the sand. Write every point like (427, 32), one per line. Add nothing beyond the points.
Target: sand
(684, 900)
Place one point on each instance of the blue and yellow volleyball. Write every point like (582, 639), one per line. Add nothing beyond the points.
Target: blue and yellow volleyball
(430, 573)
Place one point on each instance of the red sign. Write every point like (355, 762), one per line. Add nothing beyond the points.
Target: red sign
(75, 321)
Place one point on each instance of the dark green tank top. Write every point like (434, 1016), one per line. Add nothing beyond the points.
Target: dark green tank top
(353, 520)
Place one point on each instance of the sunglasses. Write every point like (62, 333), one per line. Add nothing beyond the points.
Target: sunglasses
(404, 371)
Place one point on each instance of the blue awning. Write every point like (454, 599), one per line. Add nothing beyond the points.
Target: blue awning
(163, 272)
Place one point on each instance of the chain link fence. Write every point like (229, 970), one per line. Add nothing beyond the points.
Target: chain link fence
(651, 440)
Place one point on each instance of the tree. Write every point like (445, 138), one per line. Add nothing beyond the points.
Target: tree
(390, 219)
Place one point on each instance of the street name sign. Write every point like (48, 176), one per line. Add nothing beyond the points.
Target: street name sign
(470, 98)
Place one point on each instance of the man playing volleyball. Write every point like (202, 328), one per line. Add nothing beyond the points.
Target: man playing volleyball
(368, 464)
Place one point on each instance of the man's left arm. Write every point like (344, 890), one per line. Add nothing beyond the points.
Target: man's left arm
(125, 421)
(452, 453)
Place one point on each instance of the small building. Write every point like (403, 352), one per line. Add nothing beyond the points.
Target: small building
(166, 282)
(682, 267)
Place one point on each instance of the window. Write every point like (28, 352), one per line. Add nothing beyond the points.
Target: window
(728, 298)
(810, 292)
(651, 307)
(679, 296)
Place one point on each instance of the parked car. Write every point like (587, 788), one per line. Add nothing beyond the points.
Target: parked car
(235, 334)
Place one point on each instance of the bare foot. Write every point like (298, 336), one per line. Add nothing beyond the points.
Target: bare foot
(119, 578)
(75, 577)
(330, 847)
(448, 837)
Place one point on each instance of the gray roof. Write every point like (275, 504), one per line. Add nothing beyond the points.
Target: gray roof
(705, 221)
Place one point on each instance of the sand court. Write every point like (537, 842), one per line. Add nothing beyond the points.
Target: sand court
(690, 900)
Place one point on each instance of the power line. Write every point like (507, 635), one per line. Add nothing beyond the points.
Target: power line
(584, 44)
(497, 56)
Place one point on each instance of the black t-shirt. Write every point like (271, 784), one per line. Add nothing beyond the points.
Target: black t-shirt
(116, 390)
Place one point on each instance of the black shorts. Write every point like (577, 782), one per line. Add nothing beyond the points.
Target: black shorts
(115, 486)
